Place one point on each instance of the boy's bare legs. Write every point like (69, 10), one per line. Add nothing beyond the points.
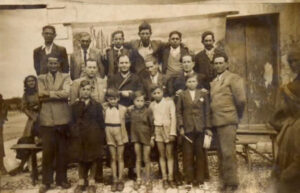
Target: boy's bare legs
(170, 163)
(120, 151)
(113, 162)
(147, 161)
(162, 161)
(138, 153)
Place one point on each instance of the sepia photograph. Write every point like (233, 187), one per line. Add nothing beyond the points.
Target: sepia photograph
(150, 96)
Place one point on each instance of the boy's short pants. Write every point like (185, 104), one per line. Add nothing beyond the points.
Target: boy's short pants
(114, 135)
(162, 134)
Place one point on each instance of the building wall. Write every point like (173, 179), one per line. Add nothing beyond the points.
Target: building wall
(28, 24)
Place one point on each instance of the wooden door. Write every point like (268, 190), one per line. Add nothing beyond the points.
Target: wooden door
(251, 43)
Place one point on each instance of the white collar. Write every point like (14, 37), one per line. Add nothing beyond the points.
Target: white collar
(142, 46)
(155, 76)
(125, 75)
(44, 46)
(117, 49)
(185, 73)
(87, 51)
(175, 49)
(210, 51)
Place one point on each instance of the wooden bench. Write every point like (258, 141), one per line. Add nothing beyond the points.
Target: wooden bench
(34, 149)
(263, 131)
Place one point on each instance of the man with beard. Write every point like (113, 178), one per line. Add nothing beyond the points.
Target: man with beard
(49, 49)
(126, 83)
(79, 58)
(204, 59)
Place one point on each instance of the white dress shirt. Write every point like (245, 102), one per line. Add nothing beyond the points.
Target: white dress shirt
(192, 93)
(47, 49)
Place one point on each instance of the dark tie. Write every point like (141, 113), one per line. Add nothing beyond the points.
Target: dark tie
(84, 56)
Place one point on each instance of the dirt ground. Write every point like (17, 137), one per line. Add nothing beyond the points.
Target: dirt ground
(255, 180)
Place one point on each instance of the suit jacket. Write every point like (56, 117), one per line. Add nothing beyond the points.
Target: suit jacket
(98, 93)
(204, 66)
(138, 62)
(123, 111)
(178, 83)
(77, 61)
(55, 109)
(166, 53)
(193, 115)
(147, 82)
(228, 99)
(111, 60)
(133, 83)
(41, 59)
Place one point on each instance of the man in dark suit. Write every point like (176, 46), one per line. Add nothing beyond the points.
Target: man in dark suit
(117, 48)
(228, 98)
(126, 83)
(49, 49)
(171, 54)
(203, 59)
(54, 88)
(79, 58)
(143, 48)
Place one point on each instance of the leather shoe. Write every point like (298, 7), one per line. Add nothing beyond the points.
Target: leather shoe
(44, 188)
(64, 185)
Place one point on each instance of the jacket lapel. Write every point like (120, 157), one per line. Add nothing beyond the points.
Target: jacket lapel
(50, 81)
(188, 96)
(197, 95)
(58, 80)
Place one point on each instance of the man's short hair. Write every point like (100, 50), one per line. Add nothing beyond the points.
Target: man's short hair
(145, 26)
(123, 55)
(117, 32)
(85, 34)
(49, 27)
(151, 58)
(175, 32)
(206, 33)
(91, 60)
(54, 57)
(188, 54)
(111, 92)
(220, 54)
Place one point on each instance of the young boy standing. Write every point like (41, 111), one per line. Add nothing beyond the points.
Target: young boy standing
(193, 117)
(116, 136)
(165, 132)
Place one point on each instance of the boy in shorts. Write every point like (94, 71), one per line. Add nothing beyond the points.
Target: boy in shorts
(116, 136)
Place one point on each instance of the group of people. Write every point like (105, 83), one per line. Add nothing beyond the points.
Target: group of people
(138, 96)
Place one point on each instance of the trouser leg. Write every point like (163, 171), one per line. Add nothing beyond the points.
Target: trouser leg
(48, 145)
(226, 139)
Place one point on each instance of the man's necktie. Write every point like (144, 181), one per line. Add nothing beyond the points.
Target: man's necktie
(84, 56)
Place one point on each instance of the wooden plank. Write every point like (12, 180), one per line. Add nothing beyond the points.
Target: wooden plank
(26, 146)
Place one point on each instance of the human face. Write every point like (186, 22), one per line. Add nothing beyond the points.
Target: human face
(139, 102)
(220, 65)
(53, 65)
(294, 63)
(48, 35)
(113, 101)
(187, 63)
(191, 83)
(85, 42)
(85, 92)
(124, 64)
(151, 68)
(91, 69)
(30, 82)
(118, 40)
(208, 42)
(145, 36)
(174, 40)
(157, 94)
